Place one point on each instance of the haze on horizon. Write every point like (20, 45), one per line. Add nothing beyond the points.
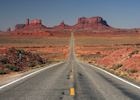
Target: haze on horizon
(118, 13)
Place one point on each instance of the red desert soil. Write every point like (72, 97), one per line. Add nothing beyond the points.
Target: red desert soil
(118, 54)
(114, 49)
(52, 49)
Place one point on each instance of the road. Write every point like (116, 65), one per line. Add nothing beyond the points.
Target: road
(55, 83)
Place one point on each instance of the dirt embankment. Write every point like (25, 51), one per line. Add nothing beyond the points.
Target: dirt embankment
(120, 57)
(19, 55)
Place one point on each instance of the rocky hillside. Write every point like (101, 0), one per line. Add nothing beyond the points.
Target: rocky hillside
(17, 60)
(62, 26)
(84, 25)
(121, 60)
(91, 23)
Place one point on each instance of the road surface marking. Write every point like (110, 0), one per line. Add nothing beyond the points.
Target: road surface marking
(72, 92)
(33, 73)
(123, 80)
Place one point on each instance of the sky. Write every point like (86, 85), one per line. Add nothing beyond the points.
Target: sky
(118, 13)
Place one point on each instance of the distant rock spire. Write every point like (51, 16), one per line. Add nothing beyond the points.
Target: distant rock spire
(27, 21)
(62, 23)
(9, 29)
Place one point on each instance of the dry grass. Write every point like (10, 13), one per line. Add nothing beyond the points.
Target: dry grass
(88, 46)
(116, 40)
(52, 48)
(33, 41)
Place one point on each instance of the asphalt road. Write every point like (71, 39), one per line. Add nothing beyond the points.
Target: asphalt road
(55, 83)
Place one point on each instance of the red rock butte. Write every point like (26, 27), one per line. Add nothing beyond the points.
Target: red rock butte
(82, 23)
(62, 26)
(31, 27)
(92, 25)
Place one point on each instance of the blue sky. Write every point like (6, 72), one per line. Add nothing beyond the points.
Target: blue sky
(118, 13)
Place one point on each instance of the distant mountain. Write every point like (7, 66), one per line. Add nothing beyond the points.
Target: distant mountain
(62, 26)
(91, 23)
(31, 28)
(84, 25)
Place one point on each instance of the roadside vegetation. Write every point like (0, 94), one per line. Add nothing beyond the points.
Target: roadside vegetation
(15, 60)
(19, 54)
(117, 55)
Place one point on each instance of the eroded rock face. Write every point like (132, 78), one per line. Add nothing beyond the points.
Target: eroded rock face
(86, 23)
(19, 26)
(35, 23)
(31, 28)
(62, 26)
(91, 23)
(35, 26)
(84, 20)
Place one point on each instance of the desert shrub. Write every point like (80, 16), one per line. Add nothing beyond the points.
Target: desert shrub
(4, 60)
(132, 70)
(11, 67)
(32, 64)
(133, 52)
(123, 74)
(116, 66)
(20, 51)
(11, 50)
(2, 72)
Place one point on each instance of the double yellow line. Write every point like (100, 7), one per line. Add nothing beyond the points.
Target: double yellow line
(72, 91)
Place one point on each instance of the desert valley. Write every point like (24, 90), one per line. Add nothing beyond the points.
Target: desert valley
(113, 49)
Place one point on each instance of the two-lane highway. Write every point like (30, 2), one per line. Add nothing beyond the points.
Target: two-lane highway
(88, 82)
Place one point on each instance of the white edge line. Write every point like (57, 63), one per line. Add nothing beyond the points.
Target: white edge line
(123, 80)
(17, 80)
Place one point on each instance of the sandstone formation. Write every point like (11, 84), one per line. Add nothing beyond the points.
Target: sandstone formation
(83, 23)
(91, 23)
(62, 26)
(84, 26)
(19, 26)
(34, 24)
(31, 27)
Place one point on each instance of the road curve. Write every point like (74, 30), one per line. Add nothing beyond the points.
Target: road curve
(54, 84)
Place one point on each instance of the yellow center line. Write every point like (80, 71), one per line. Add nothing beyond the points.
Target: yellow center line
(72, 91)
